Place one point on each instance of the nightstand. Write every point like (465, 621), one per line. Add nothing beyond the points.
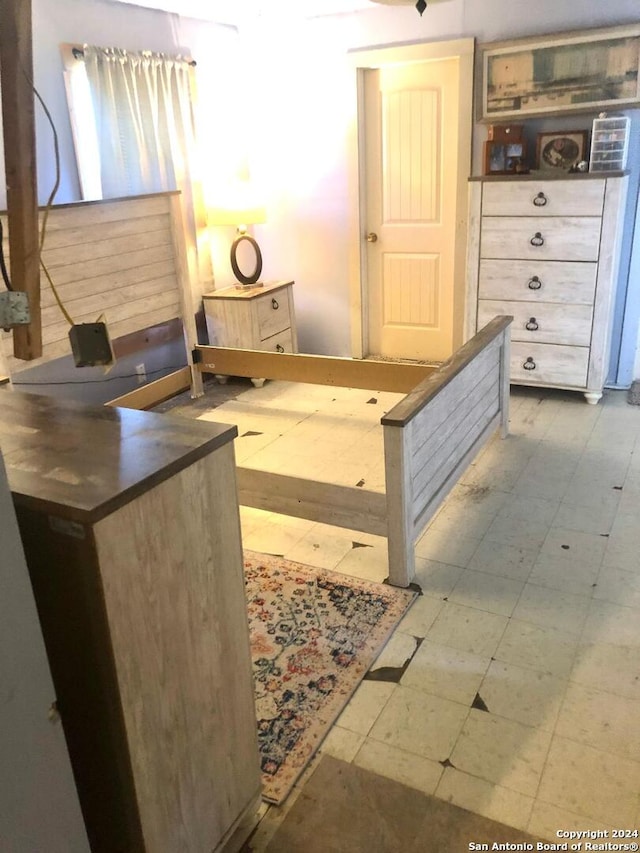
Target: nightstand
(258, 318)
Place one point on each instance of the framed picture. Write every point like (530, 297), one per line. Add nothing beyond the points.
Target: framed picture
(503, 158)
(559, 150)
(585, 71)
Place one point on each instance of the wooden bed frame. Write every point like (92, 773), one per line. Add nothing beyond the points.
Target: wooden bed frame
(430, 437)
(125, 258)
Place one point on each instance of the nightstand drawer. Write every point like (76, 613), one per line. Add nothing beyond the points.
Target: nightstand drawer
(282, 342)
(549, 364)
(543, 198)
(538, 281)
(534, 238)
(542, 322)
(273, 313)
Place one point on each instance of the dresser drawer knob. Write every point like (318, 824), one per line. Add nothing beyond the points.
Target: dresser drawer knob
(279, 348)
(532, 325)
(529, 364)
(537, 239)
(540, 200)
(534, 283)
(274, 304)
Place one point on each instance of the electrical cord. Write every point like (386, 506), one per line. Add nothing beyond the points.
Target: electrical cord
(3, 268)
(49, 204)
(100, 381)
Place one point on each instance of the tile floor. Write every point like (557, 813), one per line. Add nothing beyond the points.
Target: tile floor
(517, 693)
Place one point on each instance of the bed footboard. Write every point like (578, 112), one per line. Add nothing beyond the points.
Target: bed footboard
(434, 433)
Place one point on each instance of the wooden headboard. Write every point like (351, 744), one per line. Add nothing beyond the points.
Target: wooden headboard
(121, 258)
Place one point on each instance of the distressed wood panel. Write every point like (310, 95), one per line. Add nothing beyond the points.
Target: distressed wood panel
(553, 364)
(469, 427)
(565, 238)
(112, 258)
(557, 324)
(343, 506)
(179, 631)
(560, 198)
(568, 282)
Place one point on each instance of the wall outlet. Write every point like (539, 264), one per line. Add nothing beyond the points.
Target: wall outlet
(141, 370)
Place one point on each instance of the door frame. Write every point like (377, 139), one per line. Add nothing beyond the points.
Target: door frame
(363, 60)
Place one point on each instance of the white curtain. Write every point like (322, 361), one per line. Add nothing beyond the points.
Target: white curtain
(144, 117)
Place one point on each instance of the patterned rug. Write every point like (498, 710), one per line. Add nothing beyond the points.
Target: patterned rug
(314, 635)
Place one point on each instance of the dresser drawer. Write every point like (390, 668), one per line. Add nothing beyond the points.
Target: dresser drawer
(282, 342)
(541, 322)
(544, 198)
(554, 239)
(538, 281)
(552, 364)
(273, 313)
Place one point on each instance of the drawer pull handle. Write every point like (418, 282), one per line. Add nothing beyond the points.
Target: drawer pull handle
(534, 283)
(532, 326)
(537, 239)
(279, 348)
(540, 200)
(529, 364)
(274, 304)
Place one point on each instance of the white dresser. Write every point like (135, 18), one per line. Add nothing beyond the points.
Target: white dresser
(546, 252)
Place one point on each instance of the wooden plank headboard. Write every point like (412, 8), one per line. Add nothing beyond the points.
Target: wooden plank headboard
(121, 258)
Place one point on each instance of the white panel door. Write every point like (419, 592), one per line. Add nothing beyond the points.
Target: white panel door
(412, 175)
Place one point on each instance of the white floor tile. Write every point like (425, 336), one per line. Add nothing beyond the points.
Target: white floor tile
(436, 579)
(502, 751)
(416, 722)
(550, 608)
(500, 558)
(612, 624)
(421, 616)
(601, 720)
(397, 652)
(534, 647)
(445, 547)
(618, 586)
(342, 744)
(405, 767)
(527, 696)
(590, 782)
(586, 547)
(547, 820)
(468, 629)
(613, 669)
(365, 706)
(484, 798)
(492, 593)
(564, 574)
(446, 672)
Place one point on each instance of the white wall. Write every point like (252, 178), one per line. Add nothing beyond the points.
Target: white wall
(306, 90)
(296, 117)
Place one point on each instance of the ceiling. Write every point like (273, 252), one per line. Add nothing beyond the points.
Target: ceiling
(234, 11)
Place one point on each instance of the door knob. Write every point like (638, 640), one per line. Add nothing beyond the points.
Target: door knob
(372, 237)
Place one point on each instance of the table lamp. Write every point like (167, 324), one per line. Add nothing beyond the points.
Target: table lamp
(240, 207)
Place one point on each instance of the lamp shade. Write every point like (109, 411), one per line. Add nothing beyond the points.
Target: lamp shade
(237, 204)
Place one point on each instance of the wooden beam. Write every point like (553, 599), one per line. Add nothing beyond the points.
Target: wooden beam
(16, 71)
(152, 393)
(314, 369)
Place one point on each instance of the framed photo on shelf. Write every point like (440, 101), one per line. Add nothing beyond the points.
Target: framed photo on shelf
(587, 71)
(503, 158)
(559, 150)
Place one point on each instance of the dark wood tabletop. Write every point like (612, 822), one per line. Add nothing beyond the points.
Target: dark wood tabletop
(82, 462)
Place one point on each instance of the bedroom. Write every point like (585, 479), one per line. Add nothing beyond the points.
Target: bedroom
(312, 211)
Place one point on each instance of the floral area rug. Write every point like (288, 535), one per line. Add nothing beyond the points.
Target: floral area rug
(314, 635)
